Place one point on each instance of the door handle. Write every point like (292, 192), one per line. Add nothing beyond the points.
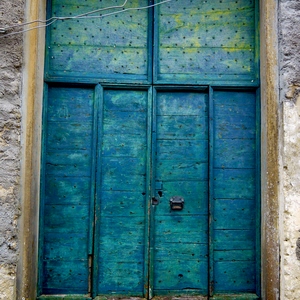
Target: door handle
(176, 203)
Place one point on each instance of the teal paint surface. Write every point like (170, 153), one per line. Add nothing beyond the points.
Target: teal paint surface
(147, 125)
(67, 190)
(121, 197)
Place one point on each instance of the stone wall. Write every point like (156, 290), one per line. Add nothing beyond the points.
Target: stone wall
(289, 53)
(10, 128)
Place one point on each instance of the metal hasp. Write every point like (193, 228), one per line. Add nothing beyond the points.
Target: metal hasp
(176, 203)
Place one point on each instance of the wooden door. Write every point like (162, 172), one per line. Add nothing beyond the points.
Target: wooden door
(142, 108)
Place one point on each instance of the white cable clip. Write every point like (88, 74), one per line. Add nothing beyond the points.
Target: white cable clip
(2, 30)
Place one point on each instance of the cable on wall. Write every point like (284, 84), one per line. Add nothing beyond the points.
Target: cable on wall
(50, 21)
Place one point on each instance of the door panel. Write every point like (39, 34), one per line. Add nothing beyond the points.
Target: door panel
(235, 191)
(67, 190)
(115, 154)
(180, 258)
(109, 146)
(205, 41)
(113, 47)
(122, 192)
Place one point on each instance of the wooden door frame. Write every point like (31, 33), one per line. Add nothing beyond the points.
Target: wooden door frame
(271, 196)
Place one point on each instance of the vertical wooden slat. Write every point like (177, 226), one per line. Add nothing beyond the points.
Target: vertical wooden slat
(97, 100)
(42, 192)
(211, 191)
(180, 249)
(258, 193)
(152, 194)
(122, 193)
(97, 207)
(65, 214)
(149, 182)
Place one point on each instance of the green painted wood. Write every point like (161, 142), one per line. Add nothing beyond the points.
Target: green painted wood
(59, 274)
(121, 207)
(68, 297)
(180, 238)
(110, 143)
(234, 192)
(211, 206)
(115, 46)
(193, 190)
(67, 190)
(238, 276)
(205, 41)
(258, 189)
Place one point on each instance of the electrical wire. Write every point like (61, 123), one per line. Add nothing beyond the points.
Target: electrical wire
(63, 18)
(81, 16)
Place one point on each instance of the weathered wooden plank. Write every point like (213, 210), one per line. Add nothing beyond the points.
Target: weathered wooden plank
(182, 150)
(63, 190)
(66, 218)
(235, 115)
(121, 277)
(69, 136)
(234, 214)
(184, 252)
(206, 7)
(133, 122)
(232, 128)
(68, 164)
(122, 182)
(235, 153)
(121, 230)
(70, 105)
(182, 103)
(197, 39)
(234, 240)
(234, 255)
(196, 60)
(180, 274)
(97, 60)
(181, 127)
(234, 111)
(235, 276)
(234, 184)
(65, 246)
(98, 33)
(244, 101)
(124, 250)
(67, 277)
(124, 203)
(123, 145)
(226, 33)
(114, 45)
(187, 170)
(128, 100)
(80, 157)
(180, 229)
(123, 166)
(65, 297)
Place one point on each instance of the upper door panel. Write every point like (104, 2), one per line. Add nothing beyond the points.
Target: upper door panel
(110, 44)
(205, 41)
(195, 42)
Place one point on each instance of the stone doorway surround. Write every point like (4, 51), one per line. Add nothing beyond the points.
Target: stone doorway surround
(34, 43)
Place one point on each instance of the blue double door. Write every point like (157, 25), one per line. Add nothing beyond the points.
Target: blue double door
(150, 156)
(149, 191)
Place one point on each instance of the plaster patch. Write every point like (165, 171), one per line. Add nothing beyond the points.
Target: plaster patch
(7, 282)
